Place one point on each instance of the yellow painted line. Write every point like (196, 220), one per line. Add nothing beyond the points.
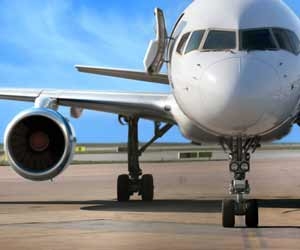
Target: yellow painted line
(253, 240)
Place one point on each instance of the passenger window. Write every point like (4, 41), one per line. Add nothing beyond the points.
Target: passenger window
(283, 39)
(294, 40)
(257, 40)
(220, 40)
(195, 41)
(182, 43)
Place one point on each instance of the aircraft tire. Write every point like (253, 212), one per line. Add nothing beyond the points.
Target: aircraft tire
(228, 213)
(123, 188)
(251, 218)
(147, 187)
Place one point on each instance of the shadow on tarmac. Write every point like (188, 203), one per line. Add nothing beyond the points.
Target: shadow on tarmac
(187, 206)
(184, 206)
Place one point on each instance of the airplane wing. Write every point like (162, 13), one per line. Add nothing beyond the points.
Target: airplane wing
(124, 73)
(152, 106)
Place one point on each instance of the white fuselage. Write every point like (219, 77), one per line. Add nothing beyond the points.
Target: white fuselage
(235, 92)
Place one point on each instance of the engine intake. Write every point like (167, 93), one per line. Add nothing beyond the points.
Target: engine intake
(39, 144)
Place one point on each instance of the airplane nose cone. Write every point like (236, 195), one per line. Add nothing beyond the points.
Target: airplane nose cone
(236, 96)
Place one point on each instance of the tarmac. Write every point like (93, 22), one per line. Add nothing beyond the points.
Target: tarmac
(78, 210)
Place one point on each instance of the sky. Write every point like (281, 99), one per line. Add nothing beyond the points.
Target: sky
(42, 40)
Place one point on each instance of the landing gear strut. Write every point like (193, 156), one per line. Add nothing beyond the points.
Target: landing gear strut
(239, 166)
(135, 181)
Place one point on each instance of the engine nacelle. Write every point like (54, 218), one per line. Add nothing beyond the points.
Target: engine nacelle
(39, 144)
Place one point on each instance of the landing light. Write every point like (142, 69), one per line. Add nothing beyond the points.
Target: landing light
(245, 166)
(234, 166)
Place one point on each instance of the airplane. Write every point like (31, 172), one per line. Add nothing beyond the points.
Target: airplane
(233, 71)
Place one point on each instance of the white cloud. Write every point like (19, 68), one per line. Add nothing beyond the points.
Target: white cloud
(40, 41)
(38, 31)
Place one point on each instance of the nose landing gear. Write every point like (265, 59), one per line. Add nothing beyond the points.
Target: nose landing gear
(239, 166)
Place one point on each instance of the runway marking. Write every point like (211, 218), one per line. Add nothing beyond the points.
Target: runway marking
(252, 238)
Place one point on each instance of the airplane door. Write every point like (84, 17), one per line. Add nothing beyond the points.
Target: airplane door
(154, 58)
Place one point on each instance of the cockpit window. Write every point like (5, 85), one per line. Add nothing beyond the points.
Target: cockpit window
(220, 40)
(182, 43)
(195, 40)
(283, 39)
(258, 39)
(294, 41)
(264, 38)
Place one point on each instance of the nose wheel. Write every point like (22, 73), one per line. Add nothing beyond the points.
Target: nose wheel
(251, 216)
(239, 166)
(229, 211)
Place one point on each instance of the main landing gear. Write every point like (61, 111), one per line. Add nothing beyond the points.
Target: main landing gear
(135, 181)
(239, 166)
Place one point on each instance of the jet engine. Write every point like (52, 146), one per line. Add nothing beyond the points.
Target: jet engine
(39, 143)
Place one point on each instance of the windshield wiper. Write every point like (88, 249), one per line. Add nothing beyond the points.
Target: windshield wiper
(273, 49)
(262, 49)
(219, 50)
